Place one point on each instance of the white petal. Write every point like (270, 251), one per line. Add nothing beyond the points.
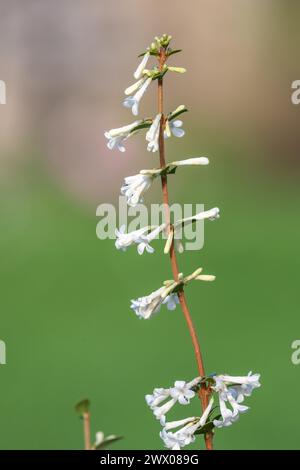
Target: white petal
(163, 410)
(134, 87)
(177, 132)
(141, 247)
(179, 245)
(167, 131)
(135, 108)
(176, 447)
(206, 277)
(139, 71)
(121, 148)
(122, 130)
(177, 123)
(129, 102)
(177, 424)
(139, 94)
(193, 161)
(99, 438)
(149, 249)
(206, 412)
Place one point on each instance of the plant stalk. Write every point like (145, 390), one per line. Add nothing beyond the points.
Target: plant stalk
(87, 430)
(203, 392)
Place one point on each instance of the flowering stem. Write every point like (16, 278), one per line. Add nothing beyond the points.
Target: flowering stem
(87, 430)
(203, 392)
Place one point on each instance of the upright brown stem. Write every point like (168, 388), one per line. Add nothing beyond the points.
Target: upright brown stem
(203, 392)
(87, 430)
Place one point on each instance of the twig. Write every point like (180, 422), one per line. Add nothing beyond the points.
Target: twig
(87, 430)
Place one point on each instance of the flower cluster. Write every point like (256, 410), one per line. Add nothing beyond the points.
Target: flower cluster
(135, 186)
(227, 388)
(176, 233)
(233, 390)
(134, 94)
(146, 306)
(117, 137)
(161, 402)
(142, 238)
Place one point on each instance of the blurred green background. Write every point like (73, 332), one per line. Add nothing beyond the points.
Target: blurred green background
(65, 295)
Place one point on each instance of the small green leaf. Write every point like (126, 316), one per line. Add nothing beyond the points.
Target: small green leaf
(178, 288)
(176, 113)
(82, 407)
(170, 170)
(143, 125)
(173, 51)
(210, 380)
(107, 441)
(208, 427)
(212, 412)
(159, 74)
(204, 380)
(155, 53)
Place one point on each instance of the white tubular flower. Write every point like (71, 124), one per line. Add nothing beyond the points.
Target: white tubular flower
(135, 186)
(161, 411)
(139, 71)
(211, 214)
(133, 101)
(182, 437)
(144, 244)
(135, 86)
(233, 389)
(192, 161)
(146, 306)
(239, 386)
(171, 301)
(206, 412)
(228, 417)
(99, 439)
(182, 391)
(206, 277)
(174, 127)
(179, 423)
(116, 137)
(236, 407)
(185, 435)
(158, 396)
(124, 240)
(171, 440)
(250, 381)
(152, 135)
(220, 385)
(177, 69)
